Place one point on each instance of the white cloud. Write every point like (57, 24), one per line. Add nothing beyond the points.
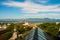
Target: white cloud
(30, 7)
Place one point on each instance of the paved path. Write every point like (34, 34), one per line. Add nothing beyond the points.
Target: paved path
(36, 34)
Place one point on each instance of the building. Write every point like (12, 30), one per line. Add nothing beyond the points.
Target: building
(25, 23)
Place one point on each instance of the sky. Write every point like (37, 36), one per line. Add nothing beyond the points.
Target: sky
(16, 9)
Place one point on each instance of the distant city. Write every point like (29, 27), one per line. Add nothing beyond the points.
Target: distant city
(33, 20)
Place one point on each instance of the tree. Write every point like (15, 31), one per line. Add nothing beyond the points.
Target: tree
(51, 28)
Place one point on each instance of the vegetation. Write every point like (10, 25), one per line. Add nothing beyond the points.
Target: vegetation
(9, 32)
(51, 28)
(10, 29)
(8, 35)
(22, 29)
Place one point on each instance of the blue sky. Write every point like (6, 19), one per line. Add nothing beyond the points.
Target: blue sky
(16, 9)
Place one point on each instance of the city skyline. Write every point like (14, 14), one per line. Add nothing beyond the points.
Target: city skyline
(16, 9)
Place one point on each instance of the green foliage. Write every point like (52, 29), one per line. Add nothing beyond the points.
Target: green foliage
(10, 28)
(9, 32)
(28, 28)
(50, 28)
(8, 35)
(22, 29)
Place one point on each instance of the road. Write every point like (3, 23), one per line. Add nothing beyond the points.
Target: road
(35, 37)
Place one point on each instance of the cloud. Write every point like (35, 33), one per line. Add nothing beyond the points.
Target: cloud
(30, 7)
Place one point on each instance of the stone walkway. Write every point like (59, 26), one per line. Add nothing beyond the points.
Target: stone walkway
(36, 34)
